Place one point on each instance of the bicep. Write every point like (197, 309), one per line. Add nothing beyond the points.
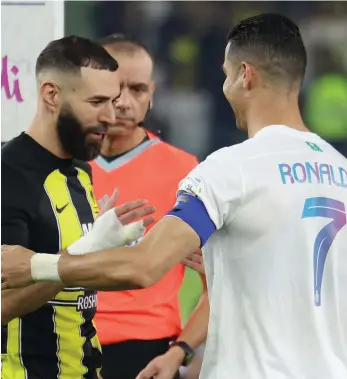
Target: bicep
(179, 234)
(168, 243)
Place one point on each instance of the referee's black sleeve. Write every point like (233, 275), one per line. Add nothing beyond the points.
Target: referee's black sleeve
(14, 210)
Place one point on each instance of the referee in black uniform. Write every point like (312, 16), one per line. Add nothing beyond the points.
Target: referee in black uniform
(48, 203)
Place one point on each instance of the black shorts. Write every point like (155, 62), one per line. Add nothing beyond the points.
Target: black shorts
(125, 360)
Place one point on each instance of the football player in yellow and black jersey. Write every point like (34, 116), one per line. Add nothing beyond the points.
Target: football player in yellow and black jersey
(48, 204)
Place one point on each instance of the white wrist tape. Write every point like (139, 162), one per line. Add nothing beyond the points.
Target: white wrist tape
(44, 267)
(107, 233)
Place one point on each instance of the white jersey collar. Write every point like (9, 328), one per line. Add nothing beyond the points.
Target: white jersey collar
(271, 129)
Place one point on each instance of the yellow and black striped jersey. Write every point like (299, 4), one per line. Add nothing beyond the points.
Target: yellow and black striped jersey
(47, 204)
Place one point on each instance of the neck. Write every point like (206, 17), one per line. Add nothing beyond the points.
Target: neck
(119, 144)
(275, 110)
(44, 132)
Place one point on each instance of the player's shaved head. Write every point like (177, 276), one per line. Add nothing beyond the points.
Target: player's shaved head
(272, 44)
(63, 59)
(78, 88)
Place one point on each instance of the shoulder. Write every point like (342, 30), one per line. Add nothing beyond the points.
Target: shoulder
(11, 151)
(239, 153)
(17, 192)
(13, 176)
(220, 171)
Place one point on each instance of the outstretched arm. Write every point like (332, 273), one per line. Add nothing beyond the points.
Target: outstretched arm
(173, 238)
(142, 265)
(206, 201)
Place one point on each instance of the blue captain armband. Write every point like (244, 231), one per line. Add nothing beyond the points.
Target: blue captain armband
(192, 211)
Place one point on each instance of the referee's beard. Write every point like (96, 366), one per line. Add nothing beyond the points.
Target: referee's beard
(74, 137)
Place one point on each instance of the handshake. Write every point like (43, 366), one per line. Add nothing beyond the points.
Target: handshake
(113, 228)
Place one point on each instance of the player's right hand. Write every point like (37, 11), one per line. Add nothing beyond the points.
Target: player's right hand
(114, 227)
(15, 267)
(130, 211)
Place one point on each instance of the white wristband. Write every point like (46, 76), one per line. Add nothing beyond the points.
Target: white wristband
(44, 267)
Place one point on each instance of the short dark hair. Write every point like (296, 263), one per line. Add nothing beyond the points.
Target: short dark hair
(272, 43)
(70, 54)
(121, 42)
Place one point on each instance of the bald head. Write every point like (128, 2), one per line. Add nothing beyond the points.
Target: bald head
(137, 87)
(130, 53)
(119, 44)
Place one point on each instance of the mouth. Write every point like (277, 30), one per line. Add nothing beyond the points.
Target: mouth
(124, 120)
(98, 135)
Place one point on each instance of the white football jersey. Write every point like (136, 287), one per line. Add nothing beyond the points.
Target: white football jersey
(277, 264)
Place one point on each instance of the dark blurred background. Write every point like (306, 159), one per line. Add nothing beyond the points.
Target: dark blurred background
(188, 39)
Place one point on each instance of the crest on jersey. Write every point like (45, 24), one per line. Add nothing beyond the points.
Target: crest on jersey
(191, 185)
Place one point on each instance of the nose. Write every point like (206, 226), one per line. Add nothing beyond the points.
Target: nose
(108, 114)
(124, 101)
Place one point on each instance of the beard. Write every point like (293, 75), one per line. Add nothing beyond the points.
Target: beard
(74, 138)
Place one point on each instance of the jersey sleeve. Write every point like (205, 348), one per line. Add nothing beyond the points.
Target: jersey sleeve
(208, 198)
(15, 208)
(217, 182)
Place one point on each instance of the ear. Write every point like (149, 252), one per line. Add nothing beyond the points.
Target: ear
(152, 90)
(248, 75)
(50, 94)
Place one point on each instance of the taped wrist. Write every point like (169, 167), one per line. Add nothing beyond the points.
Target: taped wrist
(45, 267)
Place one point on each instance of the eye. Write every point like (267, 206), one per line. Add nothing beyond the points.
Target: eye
(138, 89)
(96, 103)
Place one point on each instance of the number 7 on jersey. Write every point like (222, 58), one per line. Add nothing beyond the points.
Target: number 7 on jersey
(328, 208)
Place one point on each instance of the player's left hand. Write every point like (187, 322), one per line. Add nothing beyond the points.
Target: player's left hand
(165, 366)
(15, 267)
(195, 262)
(130, 211)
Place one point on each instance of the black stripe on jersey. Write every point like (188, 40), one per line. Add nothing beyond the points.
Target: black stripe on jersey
(63, 303)
(4, 335)
(91, 355)
(73, 289)
(79, 199)
(40, 363)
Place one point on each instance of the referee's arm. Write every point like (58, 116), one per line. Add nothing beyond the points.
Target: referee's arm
(15, 231)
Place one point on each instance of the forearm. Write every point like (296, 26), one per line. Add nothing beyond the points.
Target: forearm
(18, 302)
(195, 331)
(139, 266)
(114, 269)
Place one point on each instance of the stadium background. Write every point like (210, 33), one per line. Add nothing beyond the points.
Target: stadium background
(187, 40)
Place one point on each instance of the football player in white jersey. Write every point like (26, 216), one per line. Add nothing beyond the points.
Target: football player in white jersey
(271, 215)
